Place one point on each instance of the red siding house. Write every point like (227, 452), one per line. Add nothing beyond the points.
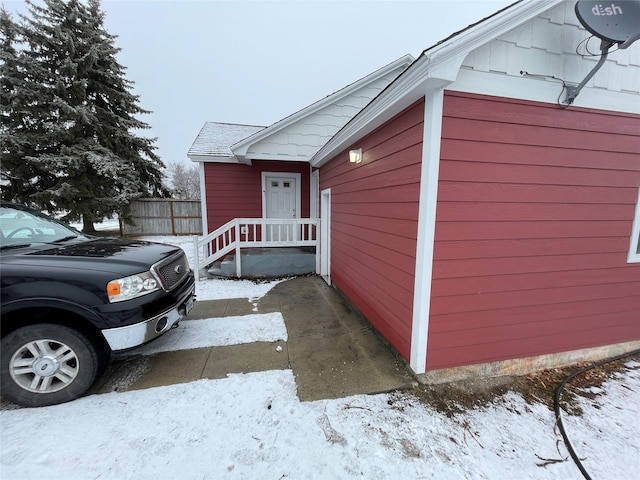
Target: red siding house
(489, 227)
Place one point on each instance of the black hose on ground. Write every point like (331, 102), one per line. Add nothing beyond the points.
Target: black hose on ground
(556, 405)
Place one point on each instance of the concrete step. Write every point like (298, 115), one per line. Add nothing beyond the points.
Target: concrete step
(267, 263)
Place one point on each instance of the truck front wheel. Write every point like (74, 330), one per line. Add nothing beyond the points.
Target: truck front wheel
(45, 364)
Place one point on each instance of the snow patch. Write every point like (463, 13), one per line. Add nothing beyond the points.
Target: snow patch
(216, 332)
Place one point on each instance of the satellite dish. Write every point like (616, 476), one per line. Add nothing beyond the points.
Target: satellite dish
(614, 22)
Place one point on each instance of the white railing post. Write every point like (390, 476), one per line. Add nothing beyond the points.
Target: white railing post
(238, 261)
(196, 256)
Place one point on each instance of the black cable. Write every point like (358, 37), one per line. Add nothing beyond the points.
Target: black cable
(589, 52)
(556, 405)
(552, 77)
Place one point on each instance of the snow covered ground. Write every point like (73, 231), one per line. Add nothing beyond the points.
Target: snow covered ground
(254, 426)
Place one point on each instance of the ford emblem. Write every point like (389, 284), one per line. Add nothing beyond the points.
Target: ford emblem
(178, 269)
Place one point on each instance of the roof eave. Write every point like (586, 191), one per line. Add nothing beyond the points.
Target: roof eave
(203, 158)
(437, 67)
(242, 147)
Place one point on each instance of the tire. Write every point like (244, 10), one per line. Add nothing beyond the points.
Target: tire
(46, 364)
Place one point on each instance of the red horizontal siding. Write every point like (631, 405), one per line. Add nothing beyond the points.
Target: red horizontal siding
(473, 267)
(380, 225)
(528, 331)
(518, 211)
(543, 229)
(531, 193)
(382, 238)
(521, 134)
(535, 206)
(535, 174)
(397, 266)
(476, 302)
(399, 211)
(374, 210)
(527, 281)
(537, 114)
(513, 247)
(391, 173)
(377, 310)
(513, 340)
(235, 191)
(462, 321)
(541, 345)
(468, 150)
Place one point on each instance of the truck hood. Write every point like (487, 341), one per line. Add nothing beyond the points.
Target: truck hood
(120, 256)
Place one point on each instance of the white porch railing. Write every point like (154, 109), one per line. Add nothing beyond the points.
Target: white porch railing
(254, 232)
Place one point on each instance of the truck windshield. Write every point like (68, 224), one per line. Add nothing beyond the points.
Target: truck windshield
(22, 227)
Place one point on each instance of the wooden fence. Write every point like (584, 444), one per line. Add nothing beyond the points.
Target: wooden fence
(164, 216)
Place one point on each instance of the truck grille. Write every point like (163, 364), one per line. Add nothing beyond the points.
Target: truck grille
(172, 270)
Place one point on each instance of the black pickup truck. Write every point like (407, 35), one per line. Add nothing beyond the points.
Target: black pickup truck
(68, 300)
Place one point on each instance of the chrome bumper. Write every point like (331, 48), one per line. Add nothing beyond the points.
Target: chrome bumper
(122, 338)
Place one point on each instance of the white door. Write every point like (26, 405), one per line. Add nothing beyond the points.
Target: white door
(281, 200)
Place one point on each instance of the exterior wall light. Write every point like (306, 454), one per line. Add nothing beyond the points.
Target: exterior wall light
(355, 156)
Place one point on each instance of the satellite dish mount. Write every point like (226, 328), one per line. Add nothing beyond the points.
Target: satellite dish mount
(574, 90)
(615, 23)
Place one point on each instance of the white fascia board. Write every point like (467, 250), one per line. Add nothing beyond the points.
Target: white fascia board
(242, 147)
(217, 159)
(436, 68)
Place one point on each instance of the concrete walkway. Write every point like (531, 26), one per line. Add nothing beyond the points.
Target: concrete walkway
(332, 351)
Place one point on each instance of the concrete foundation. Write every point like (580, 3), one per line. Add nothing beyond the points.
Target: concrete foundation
(524, 366)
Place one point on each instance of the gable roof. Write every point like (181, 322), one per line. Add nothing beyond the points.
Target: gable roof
(223, 142)
(241, 149)
(215, 139)
(435, 68)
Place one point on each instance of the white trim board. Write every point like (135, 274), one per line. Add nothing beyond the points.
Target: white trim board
(634, 252)
(426, 229)
(314, 201)
(325, 235)
(203, 200)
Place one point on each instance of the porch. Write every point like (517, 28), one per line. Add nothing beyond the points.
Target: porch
(259, 248)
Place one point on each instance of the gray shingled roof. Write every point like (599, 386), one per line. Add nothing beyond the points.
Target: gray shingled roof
(216, 138)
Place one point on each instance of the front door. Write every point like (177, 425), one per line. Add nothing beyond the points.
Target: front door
(281, 200)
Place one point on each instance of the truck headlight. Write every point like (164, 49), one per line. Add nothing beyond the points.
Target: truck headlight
(131, 287)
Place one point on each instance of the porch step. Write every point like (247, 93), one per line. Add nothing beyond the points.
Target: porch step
(267, 263)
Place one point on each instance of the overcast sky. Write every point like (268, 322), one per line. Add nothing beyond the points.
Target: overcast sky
(256, 62)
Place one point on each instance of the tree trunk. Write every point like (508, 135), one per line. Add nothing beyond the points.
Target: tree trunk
(87, 224)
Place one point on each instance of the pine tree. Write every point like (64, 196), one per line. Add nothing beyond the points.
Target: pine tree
(77, 119)
(18, 131)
